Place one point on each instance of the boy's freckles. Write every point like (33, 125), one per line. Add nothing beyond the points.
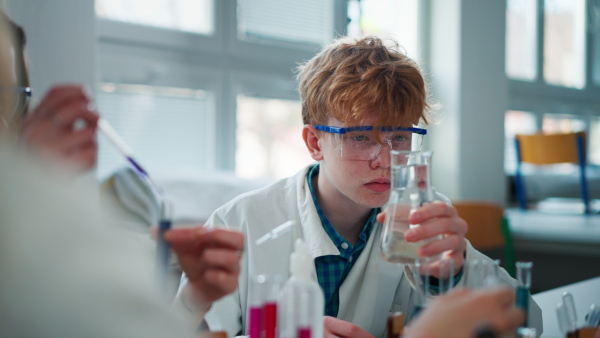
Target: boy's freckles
(365, 185)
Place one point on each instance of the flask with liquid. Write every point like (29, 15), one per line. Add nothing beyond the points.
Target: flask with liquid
(411, 189)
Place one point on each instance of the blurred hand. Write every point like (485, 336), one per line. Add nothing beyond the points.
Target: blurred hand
(50, 128)
(210, 258)
(461, 313)
(334, 327)
(437, 218)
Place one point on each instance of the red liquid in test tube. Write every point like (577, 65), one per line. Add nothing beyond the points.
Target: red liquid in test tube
(304, 332)
(255, 323)
(270, 318)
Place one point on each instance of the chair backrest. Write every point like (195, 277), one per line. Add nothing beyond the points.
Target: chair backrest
(484, 220)
(549, 148)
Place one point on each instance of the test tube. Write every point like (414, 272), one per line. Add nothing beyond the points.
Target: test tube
(255, 306)
(564, 324)
(567, 299)
(494, 279)
(475, 272)
(273, 285)
(446, 280)
(420, 273)
(163, 252)
(524, 283)
(593, 317)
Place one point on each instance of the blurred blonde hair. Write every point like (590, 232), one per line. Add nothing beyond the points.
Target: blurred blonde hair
(355, 79)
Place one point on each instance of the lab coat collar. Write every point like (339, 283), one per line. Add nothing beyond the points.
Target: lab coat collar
(319, 243)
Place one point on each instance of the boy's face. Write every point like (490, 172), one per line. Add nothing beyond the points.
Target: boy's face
(364, 182)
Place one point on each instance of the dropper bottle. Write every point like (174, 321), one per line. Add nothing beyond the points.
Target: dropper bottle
(302, 302)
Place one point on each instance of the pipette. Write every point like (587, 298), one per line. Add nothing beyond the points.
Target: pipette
(524, 280)
(276, 232)
(120, 144)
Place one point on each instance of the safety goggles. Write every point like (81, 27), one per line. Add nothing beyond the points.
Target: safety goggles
(360, 143)
(13, 103)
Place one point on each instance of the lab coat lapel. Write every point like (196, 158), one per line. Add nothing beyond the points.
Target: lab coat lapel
(319, 243)
(367, 294)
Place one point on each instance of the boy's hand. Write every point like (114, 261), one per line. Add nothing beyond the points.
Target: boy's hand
(334, 327)
(461, 313)
(49, 128)
(210, 259)
(438, 218)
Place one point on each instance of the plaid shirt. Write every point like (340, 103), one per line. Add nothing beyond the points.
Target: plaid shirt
(332, 270)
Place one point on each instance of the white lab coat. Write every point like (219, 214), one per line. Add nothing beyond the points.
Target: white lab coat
(372, 290)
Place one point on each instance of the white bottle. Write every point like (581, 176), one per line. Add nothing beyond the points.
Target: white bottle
(301, 303)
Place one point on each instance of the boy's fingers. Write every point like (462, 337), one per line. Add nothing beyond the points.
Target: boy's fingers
(434, 209)
(437, 226)
(452, 242)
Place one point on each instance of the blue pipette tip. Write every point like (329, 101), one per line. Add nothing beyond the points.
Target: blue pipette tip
(137, 166)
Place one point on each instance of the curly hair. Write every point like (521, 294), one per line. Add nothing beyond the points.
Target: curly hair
(355, 79)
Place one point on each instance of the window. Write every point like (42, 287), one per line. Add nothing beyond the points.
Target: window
(167, 128)
(309, 21)
(269, 138)
(397, 19)
(562, 123)
(516, 122)
(222, 66)
(521, 34)
(564, 42)
(594, 26)
(185, 15)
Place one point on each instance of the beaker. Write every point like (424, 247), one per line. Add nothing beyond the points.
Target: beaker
(411, 188)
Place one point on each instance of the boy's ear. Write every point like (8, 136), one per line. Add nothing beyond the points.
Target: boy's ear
(313, 143)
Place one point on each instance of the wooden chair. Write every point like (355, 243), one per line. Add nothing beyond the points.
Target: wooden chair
(488, 229)
(544, 149)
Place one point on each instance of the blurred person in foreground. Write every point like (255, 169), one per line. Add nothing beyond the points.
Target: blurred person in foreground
(209, 257)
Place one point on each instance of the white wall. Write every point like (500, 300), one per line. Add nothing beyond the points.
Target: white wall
(466, 63)
(61, 40)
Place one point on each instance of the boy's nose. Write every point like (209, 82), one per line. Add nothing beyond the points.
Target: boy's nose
(381, 158)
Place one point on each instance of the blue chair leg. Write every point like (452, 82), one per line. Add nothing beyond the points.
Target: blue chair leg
(582, 176)
(521, 197)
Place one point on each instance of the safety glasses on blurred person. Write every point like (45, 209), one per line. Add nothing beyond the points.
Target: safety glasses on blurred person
(13, 103)
(360, 143)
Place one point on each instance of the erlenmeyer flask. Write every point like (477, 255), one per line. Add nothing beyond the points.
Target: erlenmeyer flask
(411, 188)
